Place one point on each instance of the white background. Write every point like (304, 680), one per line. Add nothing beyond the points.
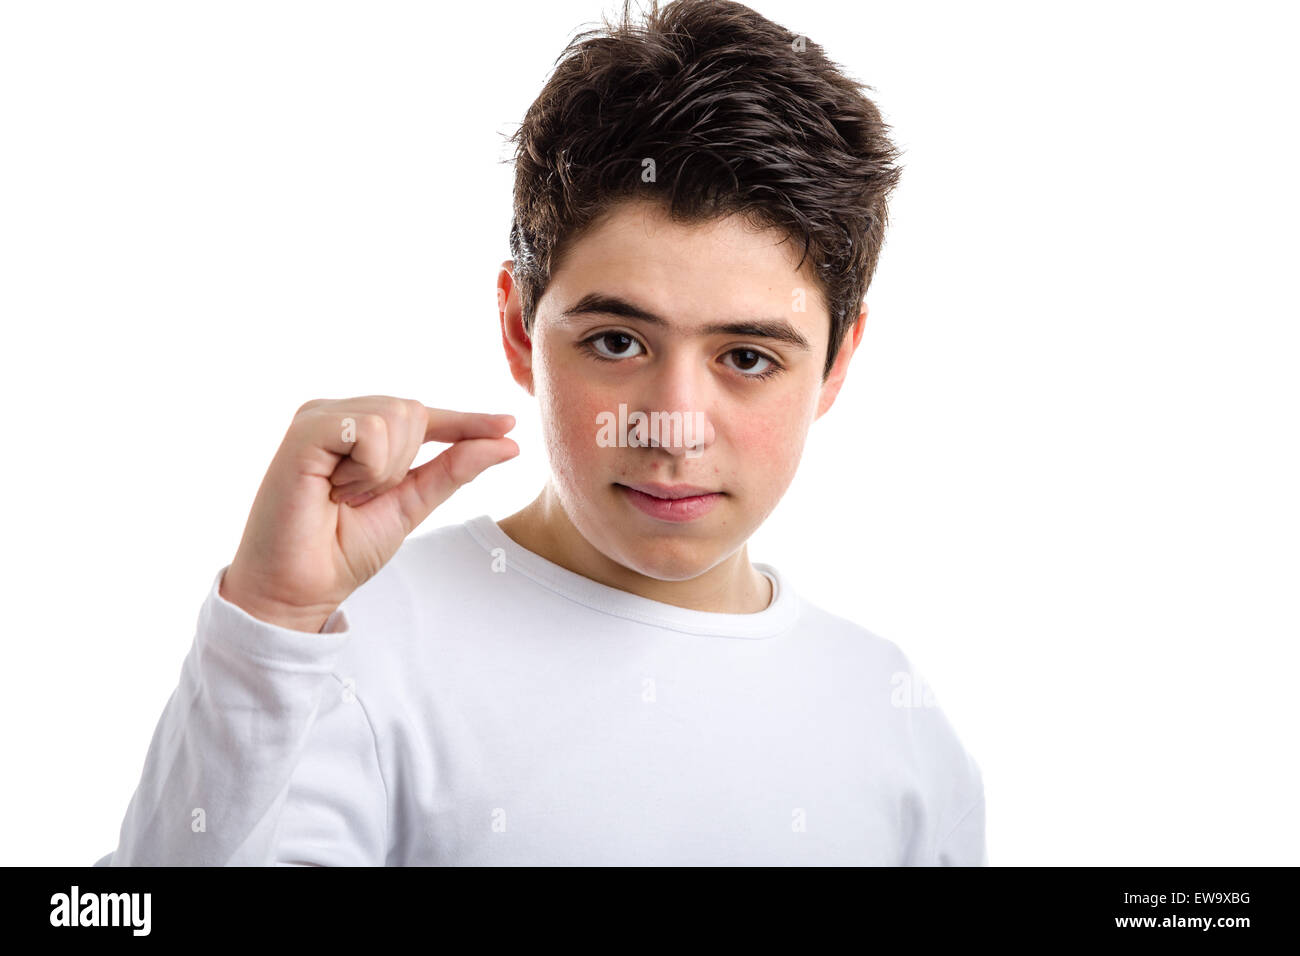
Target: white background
(1061, 476)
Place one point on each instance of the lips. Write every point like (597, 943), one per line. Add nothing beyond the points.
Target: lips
(690, 501)
(671, 492)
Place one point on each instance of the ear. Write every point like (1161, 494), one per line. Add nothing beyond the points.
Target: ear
(831, 387)
(516, 341)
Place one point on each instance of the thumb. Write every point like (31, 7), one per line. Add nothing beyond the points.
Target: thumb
(428, 486)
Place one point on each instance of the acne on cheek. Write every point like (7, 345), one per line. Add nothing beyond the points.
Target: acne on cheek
(772, 444)
(575, 419)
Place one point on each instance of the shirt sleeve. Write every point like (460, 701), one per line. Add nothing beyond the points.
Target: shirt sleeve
(262, 756)
(965, 845)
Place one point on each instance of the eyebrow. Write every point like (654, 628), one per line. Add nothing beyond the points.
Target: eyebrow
(603, 304)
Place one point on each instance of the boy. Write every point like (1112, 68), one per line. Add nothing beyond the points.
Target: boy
(604, 677)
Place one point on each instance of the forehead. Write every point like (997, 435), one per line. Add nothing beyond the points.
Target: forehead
(691, 273)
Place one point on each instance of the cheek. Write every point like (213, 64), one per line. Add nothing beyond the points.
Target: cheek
(771, 443)
(569, 412)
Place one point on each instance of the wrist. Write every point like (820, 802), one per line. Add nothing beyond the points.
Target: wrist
(309, 620)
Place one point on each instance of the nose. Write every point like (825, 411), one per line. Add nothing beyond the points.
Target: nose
(674, 409)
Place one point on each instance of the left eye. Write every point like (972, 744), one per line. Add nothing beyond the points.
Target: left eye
(751, 357)
(626, 339)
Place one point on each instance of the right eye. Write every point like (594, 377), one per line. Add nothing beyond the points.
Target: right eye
(620, 340)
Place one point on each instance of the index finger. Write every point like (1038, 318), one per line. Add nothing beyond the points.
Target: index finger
(445, 425)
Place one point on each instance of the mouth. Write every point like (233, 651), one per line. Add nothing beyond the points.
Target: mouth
(671, 492)
(671, 502)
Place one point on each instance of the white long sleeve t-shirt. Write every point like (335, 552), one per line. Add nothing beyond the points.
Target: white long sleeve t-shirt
(477, 704)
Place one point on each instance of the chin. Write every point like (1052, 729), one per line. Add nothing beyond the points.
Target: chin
(670, 558)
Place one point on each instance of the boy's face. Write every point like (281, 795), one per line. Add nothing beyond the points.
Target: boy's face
(753, 429)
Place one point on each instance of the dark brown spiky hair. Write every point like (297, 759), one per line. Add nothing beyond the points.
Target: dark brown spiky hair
(739, 115)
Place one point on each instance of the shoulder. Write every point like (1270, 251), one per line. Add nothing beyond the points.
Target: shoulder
(901, 709)
(866, 653)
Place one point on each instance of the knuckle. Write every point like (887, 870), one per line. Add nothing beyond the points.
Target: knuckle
(371, 448)
(396, 410)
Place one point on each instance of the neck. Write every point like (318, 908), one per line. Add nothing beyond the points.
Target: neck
(732, 586)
